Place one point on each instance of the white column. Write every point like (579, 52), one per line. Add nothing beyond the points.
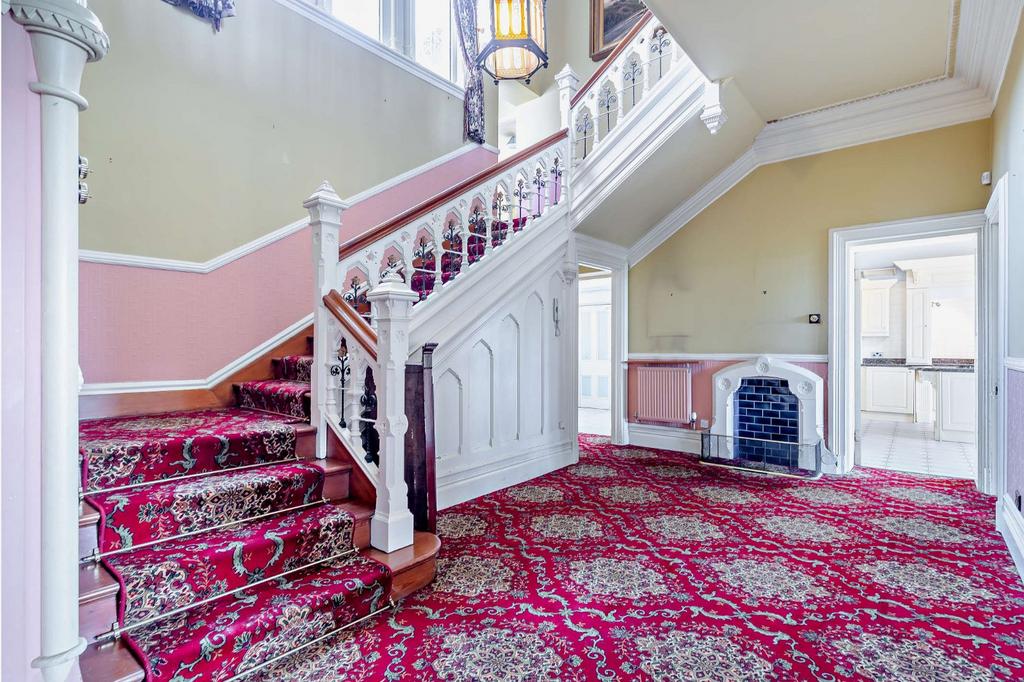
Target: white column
(392, 525)
(568, 84)
(325, 208)
(64, 36)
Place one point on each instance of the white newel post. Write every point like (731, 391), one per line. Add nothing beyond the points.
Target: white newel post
(64, 35)
(392, 525)
(568, 84)
(325, 209)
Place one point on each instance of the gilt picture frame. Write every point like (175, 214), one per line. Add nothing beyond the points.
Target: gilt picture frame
(610, 20)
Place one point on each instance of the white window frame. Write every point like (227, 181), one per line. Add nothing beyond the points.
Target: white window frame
(397, 37)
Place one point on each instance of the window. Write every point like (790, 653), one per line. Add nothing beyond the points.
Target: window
(362, 15)
(433, 32)
(434, 42)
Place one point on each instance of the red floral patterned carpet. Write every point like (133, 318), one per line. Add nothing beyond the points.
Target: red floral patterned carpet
(644, 565)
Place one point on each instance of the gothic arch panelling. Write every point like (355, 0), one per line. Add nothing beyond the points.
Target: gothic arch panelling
(448, 405)
(507, 404)
(533, 366)
(481, 396)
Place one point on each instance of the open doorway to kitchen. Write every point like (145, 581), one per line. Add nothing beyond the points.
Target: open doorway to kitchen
(946, 388)
(595, 354)
(917, 394)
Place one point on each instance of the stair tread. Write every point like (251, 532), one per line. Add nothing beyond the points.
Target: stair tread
(296, 367)
(264, 621)
(88, 515)
(424, 547)
(277, 396)
(171, 507)
(176, 573)
(113, 662)
(122, 451)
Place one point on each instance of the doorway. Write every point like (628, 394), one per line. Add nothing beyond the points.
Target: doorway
(595, 353)
(851, 388)
(917, 343)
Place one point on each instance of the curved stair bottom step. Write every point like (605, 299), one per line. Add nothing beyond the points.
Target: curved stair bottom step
(411, 568)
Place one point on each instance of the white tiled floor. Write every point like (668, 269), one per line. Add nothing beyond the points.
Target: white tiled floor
(597, 422)
(904, 446)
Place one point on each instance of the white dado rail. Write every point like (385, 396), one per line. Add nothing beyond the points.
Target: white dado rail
(808, 387)
(364, 298)
(639, 66)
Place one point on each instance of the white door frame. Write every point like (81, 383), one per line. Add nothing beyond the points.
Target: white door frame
(613, 258)
(993, 313)
(843, 362)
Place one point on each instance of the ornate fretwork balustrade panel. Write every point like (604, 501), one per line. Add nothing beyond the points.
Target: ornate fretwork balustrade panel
(634, 71)
(432, 250)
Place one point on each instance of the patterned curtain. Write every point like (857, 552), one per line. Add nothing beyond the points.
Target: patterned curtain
(211, 10)
(465, 19)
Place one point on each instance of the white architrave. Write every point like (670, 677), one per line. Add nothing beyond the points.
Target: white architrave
(614, 258)
(844, 365)
(808, 387)
(325, 209)
(64, 36)
(392, 525)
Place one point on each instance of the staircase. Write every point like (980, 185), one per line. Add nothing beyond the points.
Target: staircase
(213, 541)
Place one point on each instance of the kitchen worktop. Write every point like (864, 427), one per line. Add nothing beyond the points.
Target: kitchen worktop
(938, 364)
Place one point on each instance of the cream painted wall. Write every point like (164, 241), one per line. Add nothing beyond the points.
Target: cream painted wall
(1008, 156)
(744, 274)
(568, 43)
(203, 141)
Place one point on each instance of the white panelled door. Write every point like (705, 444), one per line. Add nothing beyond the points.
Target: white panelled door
(595, 343)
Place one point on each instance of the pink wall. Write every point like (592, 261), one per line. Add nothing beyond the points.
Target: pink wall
(1015, 432)
(140, 324)
(19, 364)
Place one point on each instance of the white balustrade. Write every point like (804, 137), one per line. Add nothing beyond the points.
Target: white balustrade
(430, 252)
(635, 71)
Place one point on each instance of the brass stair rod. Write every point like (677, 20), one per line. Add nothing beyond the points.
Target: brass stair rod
(116, 630)
(97, 555)
(373, 614)
(102, 491)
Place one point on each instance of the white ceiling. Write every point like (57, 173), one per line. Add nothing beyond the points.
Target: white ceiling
(792, 56)
(686, 161)
(885, 255)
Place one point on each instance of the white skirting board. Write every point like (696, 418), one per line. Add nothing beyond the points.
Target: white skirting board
(664, 438)
(1010, 523)
(460, 486)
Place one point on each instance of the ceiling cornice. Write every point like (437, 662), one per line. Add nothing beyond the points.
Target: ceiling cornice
(985, 38)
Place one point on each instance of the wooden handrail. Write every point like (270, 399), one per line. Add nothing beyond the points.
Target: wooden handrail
(619, 49)
(351, 322)
(438, 200)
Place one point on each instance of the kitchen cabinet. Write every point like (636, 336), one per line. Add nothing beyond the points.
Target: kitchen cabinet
(919, 335)
(875, 306)
(956, 418)
(888, 389)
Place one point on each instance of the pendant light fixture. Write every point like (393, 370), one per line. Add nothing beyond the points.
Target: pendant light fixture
(515, 39)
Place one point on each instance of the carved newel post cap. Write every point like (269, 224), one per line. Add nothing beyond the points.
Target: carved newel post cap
(394, 287)
(325, 194)
(567, 76)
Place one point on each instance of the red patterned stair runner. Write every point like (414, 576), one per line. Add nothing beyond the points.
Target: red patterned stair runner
(226, 552)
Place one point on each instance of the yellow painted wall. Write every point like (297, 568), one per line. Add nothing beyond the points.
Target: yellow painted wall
(203, 141)
(569, 42)
(1008, 157)
(743, 275)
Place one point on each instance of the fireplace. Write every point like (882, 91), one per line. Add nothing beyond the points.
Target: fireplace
(771, 411)
(767, 421)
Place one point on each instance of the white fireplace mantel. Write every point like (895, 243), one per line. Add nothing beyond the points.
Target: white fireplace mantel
(808, 387)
